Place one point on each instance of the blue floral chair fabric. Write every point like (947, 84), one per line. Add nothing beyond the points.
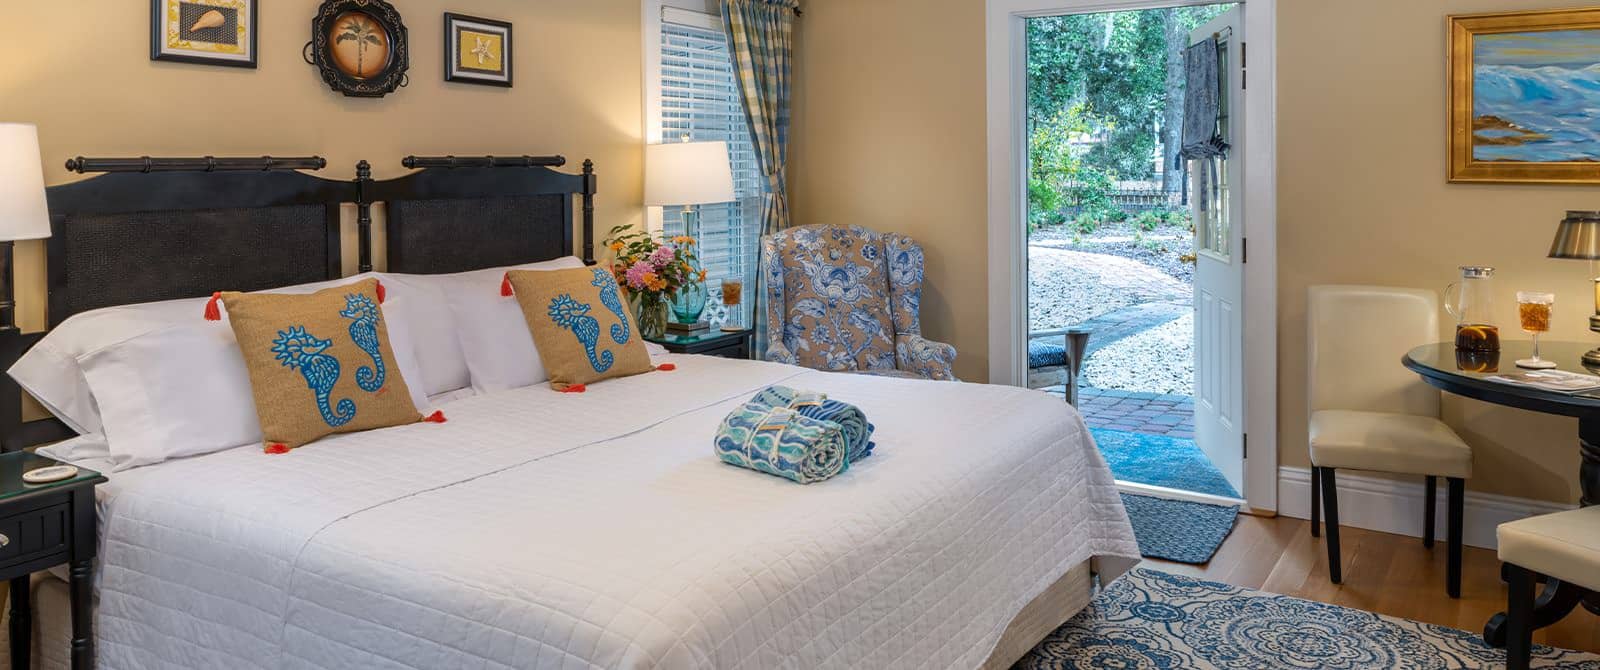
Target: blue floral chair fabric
(846, 299)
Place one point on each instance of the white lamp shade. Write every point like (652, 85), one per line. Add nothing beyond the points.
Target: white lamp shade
(23, 212)
(688, 173)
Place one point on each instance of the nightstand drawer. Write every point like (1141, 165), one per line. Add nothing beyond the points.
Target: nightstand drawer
(734, 351)
(33, 534)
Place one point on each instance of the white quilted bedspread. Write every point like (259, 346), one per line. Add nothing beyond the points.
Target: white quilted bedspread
(546, 530)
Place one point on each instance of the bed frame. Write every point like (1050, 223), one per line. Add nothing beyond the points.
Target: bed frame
(151, 229)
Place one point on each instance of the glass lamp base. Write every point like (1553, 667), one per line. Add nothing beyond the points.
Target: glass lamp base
(1536, 364)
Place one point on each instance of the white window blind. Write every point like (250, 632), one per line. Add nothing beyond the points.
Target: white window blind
(700, 102)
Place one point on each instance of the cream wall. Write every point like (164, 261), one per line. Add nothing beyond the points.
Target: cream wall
(1362, 198)
(890, 133)
(577, 93)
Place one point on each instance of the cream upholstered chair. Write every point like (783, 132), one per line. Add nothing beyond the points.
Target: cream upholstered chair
(1564, 546)
(1370, 413)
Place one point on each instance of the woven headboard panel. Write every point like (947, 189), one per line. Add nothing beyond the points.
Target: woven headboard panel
(129, 237)
(459, 214)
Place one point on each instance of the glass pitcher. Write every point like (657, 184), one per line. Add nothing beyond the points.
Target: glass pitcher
(1471, 302)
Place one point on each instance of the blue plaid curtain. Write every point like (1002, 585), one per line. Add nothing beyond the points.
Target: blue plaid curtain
(761, 40)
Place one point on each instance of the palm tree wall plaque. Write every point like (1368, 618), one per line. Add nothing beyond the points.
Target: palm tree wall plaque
(364, 33)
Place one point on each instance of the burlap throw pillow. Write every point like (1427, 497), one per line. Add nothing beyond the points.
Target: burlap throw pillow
(320, 363)
(583, 330)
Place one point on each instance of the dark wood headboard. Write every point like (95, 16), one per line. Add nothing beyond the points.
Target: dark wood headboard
(153, 229)
(467, 213)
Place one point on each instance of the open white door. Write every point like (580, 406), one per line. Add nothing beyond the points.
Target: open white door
(1217, 202)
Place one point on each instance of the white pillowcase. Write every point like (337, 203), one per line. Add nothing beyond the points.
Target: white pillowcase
(50, 371)
(184, 390)
(494, 335)
(443, 366)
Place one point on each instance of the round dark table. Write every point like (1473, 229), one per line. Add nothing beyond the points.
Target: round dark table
(1468, 374)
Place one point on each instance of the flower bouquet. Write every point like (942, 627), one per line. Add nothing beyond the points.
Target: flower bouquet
(657, 275)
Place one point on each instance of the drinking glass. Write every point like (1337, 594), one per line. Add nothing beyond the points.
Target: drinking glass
(732, 298)
(1533, 311)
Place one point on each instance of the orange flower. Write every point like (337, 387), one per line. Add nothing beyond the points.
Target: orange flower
(616, 246)
(702, 275)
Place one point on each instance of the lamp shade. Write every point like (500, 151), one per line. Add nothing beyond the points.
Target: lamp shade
(1578, 237)
(23, 212)
(688, 173)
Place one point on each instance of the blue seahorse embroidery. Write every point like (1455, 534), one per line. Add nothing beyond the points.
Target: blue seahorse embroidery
(610, 298)
(574, 316)
(364, 331)
(295, 348)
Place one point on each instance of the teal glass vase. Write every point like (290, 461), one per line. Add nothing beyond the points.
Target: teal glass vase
(689, 302)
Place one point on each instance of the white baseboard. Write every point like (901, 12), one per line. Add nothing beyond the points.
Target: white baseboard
(1394, 506)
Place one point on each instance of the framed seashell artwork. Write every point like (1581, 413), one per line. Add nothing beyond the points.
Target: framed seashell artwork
(360, 47)
(208, 32)
(476, 50)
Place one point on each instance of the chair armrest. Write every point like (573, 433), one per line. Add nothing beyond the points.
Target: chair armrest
(925, 357)
(777, 353)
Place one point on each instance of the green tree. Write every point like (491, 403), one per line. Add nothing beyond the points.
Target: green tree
(1123, 71)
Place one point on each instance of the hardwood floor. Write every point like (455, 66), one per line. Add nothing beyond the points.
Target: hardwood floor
(1388, 574)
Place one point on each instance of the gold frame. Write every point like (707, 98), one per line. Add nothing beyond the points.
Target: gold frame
(1462, 28)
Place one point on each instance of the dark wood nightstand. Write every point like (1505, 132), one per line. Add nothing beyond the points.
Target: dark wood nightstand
(734, 344)
(42, 526)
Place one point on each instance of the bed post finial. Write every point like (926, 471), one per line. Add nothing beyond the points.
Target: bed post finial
(589, 188)
(363, 217)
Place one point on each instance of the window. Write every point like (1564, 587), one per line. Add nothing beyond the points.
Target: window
(700, 103)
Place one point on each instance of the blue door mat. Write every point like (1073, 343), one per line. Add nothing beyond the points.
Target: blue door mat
(1174, 530)
(1159, 460)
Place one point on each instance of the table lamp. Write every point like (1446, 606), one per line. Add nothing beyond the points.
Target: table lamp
(688, 174)
(24, 215)
(1578, 237)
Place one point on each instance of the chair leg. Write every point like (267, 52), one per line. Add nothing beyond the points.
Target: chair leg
(1457, 504)
(1316, 501)
(1429, 505)
(1330, 511)
(1519, 618)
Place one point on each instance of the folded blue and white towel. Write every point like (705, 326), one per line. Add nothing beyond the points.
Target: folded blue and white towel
(780, 441)
(857, 430)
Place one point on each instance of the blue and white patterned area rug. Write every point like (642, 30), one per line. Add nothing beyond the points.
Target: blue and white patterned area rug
(1154, 620)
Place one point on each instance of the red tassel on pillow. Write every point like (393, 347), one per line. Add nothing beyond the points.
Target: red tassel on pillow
(214, 313)
(277, 448)
(667, 367)
(381, 293)
(505, 286)
(575, 388)
(436, 417)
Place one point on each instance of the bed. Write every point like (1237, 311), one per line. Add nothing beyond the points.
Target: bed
(539, 529)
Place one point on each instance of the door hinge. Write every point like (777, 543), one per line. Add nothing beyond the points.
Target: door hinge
(1244, 66)
(1246, 443)
(1244, 250)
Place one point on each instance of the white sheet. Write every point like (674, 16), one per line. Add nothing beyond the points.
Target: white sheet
(538, 529)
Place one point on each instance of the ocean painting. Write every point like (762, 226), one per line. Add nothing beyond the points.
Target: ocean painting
(1536, 96)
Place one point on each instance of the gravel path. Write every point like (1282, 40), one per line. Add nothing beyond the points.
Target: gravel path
(1158, 360)
(1067, 287)
(1162, 248)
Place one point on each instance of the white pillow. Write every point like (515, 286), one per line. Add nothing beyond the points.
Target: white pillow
(50, 371)
(494, 335)
(184, 390)
(443, 366)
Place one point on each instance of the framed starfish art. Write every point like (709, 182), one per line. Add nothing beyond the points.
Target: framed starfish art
(477, 51)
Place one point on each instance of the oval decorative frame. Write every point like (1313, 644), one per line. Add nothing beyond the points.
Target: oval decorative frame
(320, 51)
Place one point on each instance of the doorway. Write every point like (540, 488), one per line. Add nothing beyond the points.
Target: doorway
(1116, 235)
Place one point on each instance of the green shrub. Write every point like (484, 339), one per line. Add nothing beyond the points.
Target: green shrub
(1148, 221)
(1086, 223)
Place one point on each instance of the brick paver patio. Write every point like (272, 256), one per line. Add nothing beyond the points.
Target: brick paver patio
(1133, 411)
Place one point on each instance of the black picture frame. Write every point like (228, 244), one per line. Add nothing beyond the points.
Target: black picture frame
(319, 52)
(157, 38)
(451, 53)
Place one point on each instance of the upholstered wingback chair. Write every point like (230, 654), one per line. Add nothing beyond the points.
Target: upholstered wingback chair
(845, 299)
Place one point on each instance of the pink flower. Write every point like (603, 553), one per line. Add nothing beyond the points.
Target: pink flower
(662, 256)
(636, 274)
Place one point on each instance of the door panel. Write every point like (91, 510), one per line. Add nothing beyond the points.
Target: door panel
(1219, 267)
